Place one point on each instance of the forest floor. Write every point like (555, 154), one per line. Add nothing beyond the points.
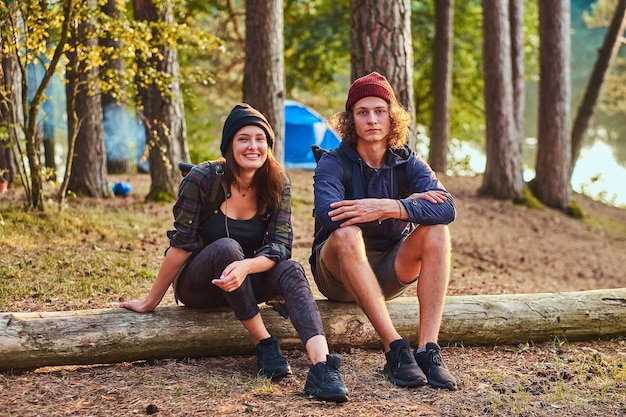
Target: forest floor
(498, 248)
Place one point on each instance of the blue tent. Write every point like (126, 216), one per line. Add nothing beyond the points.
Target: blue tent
(303, 128)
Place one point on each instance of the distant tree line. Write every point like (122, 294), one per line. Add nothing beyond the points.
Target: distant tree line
(458, 67)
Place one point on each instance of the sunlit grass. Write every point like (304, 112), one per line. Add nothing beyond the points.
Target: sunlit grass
(83, 257)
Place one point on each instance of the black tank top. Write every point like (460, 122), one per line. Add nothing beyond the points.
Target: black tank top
(248, 233)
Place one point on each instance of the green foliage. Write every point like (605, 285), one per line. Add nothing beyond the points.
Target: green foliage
(317, 46)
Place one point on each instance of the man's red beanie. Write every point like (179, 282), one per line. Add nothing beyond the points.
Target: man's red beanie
(371, 85)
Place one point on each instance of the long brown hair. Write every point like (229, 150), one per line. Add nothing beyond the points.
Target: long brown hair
(268, 180)
(343, 124)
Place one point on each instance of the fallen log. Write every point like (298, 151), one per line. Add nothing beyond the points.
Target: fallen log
(31, 340)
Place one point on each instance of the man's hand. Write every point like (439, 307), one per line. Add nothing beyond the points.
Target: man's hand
(363, 210)
(434, 196)
(370, 209)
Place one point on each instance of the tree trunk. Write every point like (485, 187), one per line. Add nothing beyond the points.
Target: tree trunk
(10, 110)
(163, 112)
(442, 85)
(503, 172)
(87, 172)
(381, 41)
(606, 55)
(115, 121)
(264, 70)
(30, 340)
(551, 183)
(33, 179)
(516, 17)
(49, 142)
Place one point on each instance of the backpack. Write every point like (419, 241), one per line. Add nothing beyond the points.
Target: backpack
(217, 193)
(346, 180)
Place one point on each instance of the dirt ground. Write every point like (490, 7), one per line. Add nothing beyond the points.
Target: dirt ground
(497, 248)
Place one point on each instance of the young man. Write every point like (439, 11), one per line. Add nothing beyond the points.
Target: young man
(374, 241)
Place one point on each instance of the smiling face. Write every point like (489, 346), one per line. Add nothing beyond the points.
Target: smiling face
(250, 147)
(371, 119)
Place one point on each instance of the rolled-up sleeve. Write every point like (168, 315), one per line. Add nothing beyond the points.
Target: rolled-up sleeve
(422, 211)
(279, 235)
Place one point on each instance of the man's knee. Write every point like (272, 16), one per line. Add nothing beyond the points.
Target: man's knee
(346, 239)
(437, 237)
(431, 238)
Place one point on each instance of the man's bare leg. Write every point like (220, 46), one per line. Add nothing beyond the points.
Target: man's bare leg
(344, 256)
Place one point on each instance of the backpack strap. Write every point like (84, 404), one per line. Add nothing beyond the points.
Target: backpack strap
(219, 189)
(346, 180)
(347, 166)
(403, 181)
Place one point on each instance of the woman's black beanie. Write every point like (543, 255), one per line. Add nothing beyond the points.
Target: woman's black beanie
(244, 115)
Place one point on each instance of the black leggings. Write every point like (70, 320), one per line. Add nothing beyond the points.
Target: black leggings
(287, 279)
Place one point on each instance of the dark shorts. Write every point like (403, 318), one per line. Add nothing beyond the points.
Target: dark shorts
(382, 264)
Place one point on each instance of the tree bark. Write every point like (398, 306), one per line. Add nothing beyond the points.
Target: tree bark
(264, 70)
(516, 17)
(606, 55)
(30, 340)
(87, 172)
(503, 171)
(551, 183)
(115, 122)
(442, 85)
(381, 41)
(10, 108)
(163, 111)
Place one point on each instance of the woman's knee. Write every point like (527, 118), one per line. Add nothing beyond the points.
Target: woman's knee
(290, 273)
(222, 250)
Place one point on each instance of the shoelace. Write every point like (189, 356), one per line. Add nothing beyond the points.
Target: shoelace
(269, 352)
(403, 357)
(332, 374)
(435, 357)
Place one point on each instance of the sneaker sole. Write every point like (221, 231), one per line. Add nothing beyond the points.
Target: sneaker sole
(276, 375)
(419, 382)
(334, 398)
(448, 386)
(408, 384)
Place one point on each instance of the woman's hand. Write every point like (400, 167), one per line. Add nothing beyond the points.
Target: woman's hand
(138, 306)
(233, 275)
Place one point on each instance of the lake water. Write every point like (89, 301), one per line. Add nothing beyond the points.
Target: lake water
(597, 173)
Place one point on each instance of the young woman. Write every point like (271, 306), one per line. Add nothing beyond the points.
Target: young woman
(238, 255)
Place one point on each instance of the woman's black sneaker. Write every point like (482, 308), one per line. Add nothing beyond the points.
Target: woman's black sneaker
(324, 382)
(401, 368)
(435, 369)
(272, 364)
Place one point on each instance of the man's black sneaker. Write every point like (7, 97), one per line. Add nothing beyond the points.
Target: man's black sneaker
(435, 369)
(401, 368)
(324, 382)
(272, 364)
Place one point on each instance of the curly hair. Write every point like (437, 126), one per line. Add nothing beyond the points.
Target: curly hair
(343, 124)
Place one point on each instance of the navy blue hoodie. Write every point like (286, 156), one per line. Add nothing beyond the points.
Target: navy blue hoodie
(378, 183)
